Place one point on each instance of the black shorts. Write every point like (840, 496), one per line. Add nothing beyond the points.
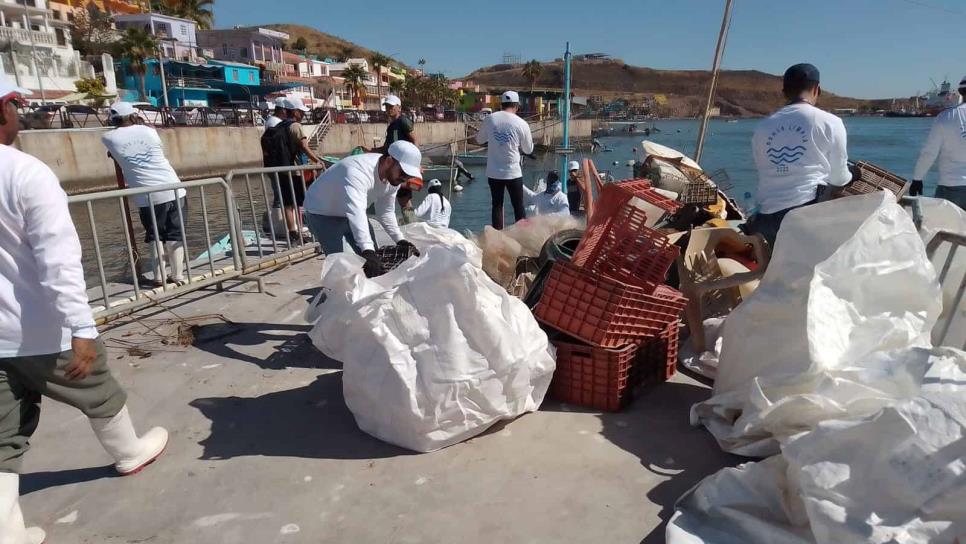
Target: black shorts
(288, 185)
(167, 219)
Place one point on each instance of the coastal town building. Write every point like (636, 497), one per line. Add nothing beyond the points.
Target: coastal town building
(177, 37)
(261, 47)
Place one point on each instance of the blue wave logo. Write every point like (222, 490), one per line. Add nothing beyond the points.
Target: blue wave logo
(786, 154)
(503, 137)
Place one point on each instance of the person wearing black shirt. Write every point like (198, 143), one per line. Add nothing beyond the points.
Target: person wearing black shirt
(400, 127)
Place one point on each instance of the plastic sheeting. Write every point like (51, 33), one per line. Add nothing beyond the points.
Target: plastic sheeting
(526, 238)
(848, 284)
(942, 215)
(898, 475)
(433, 352)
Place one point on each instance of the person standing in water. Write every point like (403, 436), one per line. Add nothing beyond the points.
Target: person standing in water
(506, 135)
(947, 142)
(574, 196)
(435, 209)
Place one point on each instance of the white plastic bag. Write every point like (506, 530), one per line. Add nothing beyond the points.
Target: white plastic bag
(849, 280)
(896, 476)
(433, 352)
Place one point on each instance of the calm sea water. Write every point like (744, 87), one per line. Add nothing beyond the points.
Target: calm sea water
(893, 144)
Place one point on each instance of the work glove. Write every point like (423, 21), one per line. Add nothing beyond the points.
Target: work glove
(407, 243)
(856, 173)
(916, 188)
(373, 266)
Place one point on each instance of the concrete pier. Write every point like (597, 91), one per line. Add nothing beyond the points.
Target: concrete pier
(263, 449)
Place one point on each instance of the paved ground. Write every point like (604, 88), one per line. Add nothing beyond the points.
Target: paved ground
(264, 450)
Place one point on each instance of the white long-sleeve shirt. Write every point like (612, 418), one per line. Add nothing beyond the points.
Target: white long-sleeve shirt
(140, 154)
(505, 134)
(548, 204)
(797, 149)
(43, 297)
(435, 210)
(947, 141)
(347, 189)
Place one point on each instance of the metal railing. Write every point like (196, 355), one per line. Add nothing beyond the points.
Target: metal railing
(258, 193)
(109, 237)
(951, 243)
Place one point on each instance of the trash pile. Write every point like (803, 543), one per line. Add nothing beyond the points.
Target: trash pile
(613, 320)
(829, 370)
(433, 352)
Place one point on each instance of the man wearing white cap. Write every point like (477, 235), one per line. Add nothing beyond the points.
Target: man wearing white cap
(290, 189)
(573, 188)
(335, 205)
(138, 152)
(947, 141)
(278, 115)
(506, 135)
(48, 339)
(400, 127)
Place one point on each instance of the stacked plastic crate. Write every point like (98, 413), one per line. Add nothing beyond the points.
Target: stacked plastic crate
(618, 322)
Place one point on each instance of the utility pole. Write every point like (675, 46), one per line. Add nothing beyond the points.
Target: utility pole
(164, 81)
(33, 53)
(565, 117)
(718, 53)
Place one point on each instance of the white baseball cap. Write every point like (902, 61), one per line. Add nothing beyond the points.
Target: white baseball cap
(574, 165)
(409, 158)
(510, 97)
(962, 83)
(280, 102)
(295, 103)
(122, 109)
(392, 100)
(8, 88)
(435, 183)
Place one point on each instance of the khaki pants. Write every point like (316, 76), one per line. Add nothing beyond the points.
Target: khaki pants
(24, 380)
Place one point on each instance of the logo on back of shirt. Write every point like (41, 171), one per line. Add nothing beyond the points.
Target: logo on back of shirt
(138, 152)
(786, 145)
(503, 137)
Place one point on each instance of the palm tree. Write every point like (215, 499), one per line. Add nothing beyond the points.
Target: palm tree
(422, 64)
(345, 52)
(199, 11)
(532, 71)
(137, 46)
(397, 86)
(379, 61)
(355, 77)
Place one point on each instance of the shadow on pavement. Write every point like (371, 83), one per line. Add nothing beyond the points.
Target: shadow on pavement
(38, 481)
(656, 429)
(311, 422)
(294, 351)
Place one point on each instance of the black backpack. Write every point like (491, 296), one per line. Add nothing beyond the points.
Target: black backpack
(277, 146)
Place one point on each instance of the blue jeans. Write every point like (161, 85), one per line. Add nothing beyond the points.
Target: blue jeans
(956, 195)
(768, 224)
(330, 231)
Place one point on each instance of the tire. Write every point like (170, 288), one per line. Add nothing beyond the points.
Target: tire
(561, 246)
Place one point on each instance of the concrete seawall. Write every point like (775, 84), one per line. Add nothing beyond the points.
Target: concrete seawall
(80, 160)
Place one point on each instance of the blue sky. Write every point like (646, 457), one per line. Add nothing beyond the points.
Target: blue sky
(864, 48)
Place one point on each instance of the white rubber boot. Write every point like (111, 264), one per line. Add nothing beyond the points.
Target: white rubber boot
(157, 266)
(175, 254)
(130, 453)
(12, 530)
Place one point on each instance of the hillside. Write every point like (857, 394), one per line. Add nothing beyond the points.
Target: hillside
(322, 44)
(745, 92)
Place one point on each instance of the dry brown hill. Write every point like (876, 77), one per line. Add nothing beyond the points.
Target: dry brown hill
(745, 92)
(320, 43)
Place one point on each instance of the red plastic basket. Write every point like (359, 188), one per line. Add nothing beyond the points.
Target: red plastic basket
(605, 312)
(624, 249)
(593, 377)
(657, 359)
(641, 188)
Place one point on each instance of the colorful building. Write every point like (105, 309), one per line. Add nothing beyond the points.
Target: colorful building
(260, 47)
(177, 37)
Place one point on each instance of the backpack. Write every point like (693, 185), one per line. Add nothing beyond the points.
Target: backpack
(277, 146)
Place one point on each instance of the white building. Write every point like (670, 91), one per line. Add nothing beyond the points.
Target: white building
(261, 47)
(36, 51)
(178, 37)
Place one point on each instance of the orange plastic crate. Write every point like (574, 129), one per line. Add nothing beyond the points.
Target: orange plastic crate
(602, 311)
(624, 249)
(657, 359)
(593, 377)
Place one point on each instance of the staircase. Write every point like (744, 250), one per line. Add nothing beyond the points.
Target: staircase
(321, 129)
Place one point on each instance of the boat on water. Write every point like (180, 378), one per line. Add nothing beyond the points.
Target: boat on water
(940, 98)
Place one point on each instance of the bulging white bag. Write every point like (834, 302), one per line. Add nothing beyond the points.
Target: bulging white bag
(849, 282)
(433, 352)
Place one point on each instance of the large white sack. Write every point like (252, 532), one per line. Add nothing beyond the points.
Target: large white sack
(896, 476)
(424, 236)
(942, 215)
(849, 279)
(433, 352)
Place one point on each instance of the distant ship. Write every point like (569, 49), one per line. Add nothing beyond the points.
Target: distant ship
(940, 98)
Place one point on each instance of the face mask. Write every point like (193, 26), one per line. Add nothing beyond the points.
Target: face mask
(553, 188)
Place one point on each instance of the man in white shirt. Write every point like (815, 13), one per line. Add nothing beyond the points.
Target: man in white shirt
(947, 141)
(798, 150)
(48, 339)
(138, 151)
(435, 209)
(336, 203)
(505, 134)
(278, 115)
(551, 201)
